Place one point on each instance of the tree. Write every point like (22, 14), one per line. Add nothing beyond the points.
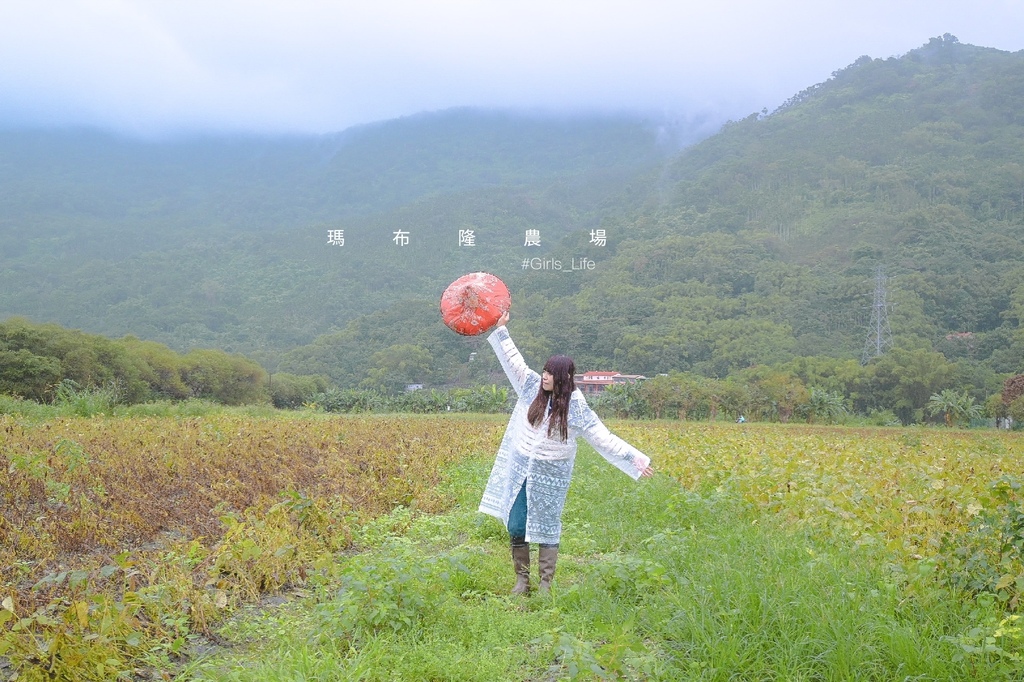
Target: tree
(25, 374)
(1016, 410)
(774, 393)
(288, 391)
(397, 366)
(1013, 388)
(902, 380)
(995, 407)
(955, 407)
(162, 368)
(230, 379)
(659, 393)
(729, 395)
(623, 400)
(822, 405)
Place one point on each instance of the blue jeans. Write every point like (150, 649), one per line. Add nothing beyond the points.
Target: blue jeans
(517, 518)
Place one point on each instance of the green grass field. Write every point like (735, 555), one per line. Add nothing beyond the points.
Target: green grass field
(223, 545)
(655, 582)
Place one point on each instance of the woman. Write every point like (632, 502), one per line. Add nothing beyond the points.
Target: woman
(533, 468)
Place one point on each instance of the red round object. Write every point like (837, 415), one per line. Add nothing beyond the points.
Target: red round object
(474, 302)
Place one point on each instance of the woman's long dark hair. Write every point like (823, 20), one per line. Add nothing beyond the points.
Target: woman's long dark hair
(563, 369)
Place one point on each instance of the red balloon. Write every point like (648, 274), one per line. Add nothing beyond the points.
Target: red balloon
(474, 302)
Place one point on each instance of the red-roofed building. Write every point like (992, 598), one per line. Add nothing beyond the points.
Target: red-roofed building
(595, 382)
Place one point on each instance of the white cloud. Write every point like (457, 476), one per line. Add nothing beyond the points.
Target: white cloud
(321, 65)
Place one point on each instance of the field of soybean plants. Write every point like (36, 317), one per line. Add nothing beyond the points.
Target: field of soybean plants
(291, 547)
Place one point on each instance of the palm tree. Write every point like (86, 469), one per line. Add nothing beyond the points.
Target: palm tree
(824, 405)
(955, 407)
(624, 400)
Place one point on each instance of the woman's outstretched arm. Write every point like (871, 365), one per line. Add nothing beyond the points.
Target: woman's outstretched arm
(621, 454)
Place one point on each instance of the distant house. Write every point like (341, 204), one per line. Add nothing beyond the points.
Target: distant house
(596, 382)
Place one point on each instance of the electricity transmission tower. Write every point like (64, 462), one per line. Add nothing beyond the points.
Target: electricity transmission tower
(879, 333)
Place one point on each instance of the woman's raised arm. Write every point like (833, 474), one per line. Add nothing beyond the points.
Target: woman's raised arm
(509, 356)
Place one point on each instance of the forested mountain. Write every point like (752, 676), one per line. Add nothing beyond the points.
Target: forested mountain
(760, 244)
(756, 246)
(223, 241)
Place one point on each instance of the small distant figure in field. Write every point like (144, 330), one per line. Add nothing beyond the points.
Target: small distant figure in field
(741, 420)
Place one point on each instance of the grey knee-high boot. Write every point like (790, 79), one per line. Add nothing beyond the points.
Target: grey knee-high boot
(521, 564)
(547, 557)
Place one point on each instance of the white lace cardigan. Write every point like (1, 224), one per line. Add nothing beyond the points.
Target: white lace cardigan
(545, 464)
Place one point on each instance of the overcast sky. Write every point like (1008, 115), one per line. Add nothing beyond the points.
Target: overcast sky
(155, 66)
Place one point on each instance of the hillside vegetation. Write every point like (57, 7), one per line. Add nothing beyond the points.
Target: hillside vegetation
(755, 247)
(759, 246)
(910, 163)
(223, 241)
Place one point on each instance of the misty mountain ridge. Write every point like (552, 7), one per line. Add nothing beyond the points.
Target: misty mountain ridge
(756, 245)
